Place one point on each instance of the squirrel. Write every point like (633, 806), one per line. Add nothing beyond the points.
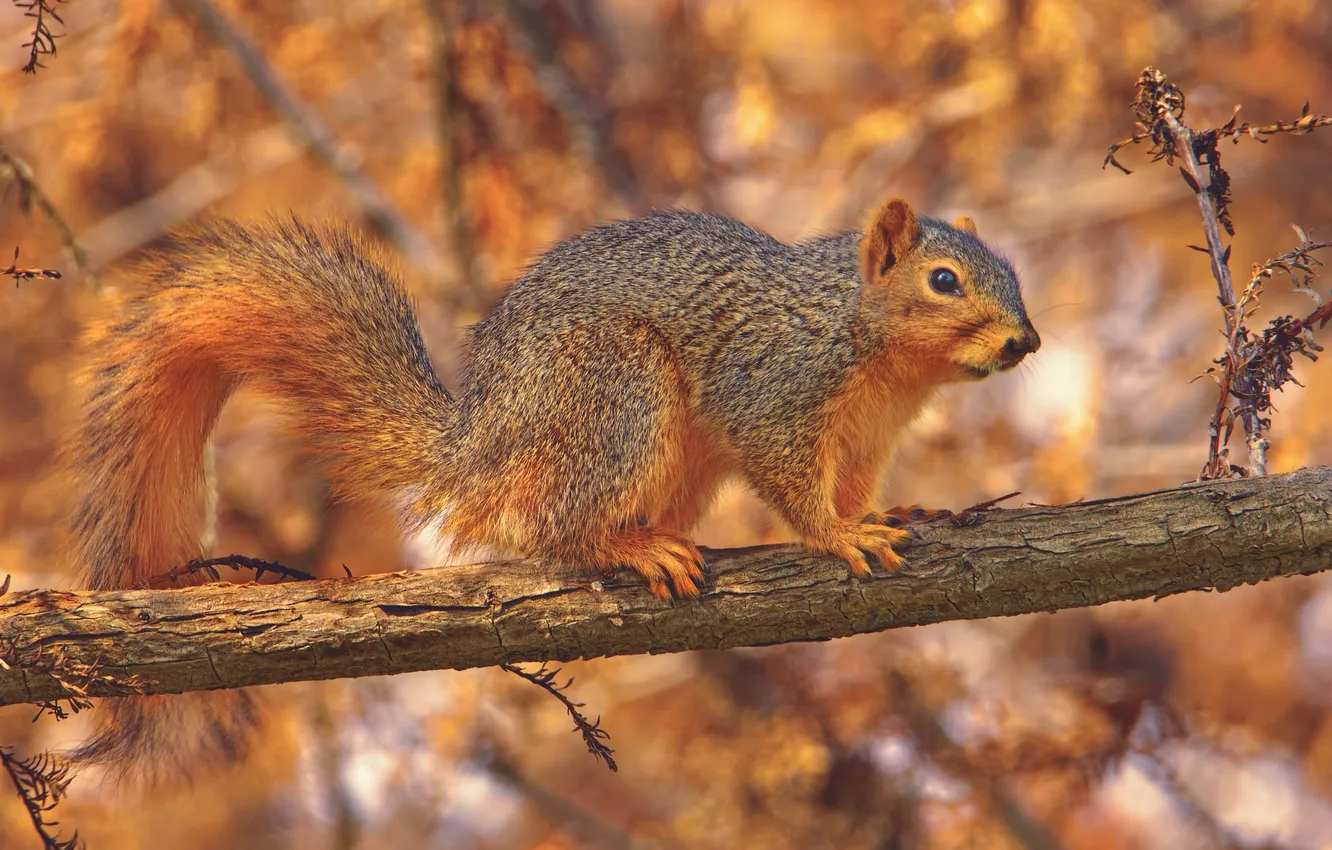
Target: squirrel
(617, 383)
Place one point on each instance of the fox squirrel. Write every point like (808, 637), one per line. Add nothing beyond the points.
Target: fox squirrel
(617, 383)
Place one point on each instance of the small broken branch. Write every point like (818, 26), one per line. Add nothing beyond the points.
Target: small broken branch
(593, 735)
(40, 782)
(208, 566)
(20, 274)
(1251, 368)
(43, 41)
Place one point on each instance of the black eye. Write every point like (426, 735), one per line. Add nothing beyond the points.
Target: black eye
(944, 281)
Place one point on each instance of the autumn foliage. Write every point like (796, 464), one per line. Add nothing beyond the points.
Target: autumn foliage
(1198, 721)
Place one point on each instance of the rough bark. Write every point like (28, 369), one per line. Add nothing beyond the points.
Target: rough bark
(1214, 535)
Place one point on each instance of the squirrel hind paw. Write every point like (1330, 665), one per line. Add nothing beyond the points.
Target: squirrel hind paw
(669, 561)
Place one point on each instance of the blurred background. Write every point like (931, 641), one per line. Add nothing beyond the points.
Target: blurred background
(470, 135)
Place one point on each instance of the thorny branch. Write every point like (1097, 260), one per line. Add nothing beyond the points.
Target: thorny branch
(593, 735)
(40, 782)
(208, 566)
(1252, 367)
(43, 40)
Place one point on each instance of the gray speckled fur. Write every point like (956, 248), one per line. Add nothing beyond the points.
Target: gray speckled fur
(774, 330)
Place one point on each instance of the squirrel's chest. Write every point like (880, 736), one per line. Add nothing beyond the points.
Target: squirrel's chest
(868, 415)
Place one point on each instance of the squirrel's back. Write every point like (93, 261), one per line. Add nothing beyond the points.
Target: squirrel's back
(681, 268)
(726, 299)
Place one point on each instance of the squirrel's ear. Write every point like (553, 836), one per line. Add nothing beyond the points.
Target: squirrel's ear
(889, 236)
(966, 224)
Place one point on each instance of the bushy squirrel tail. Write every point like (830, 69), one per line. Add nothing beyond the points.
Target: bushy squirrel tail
(309, 316)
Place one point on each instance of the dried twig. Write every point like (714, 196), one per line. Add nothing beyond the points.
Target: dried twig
(898, 517)
(75, 678)
(29, 192)
(43, 40)
(40, 782)
(19, 273)
(1251, 368)
(208, 566)
(593, 735)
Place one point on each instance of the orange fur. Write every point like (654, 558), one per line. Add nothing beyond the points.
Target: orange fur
(160, 366)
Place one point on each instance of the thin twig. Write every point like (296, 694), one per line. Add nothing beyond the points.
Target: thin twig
(208, 566)
(19, 273)
(375, 206)
(593, 735)
(40, 782)
(31, 192)
(1306, 123)
(43, 41)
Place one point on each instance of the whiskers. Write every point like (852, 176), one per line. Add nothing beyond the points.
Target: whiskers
(966, 329)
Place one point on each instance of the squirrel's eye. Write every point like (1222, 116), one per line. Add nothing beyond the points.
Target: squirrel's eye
(944, 281)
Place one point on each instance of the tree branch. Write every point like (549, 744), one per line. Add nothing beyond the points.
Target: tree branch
(377, 208)
(1210, 535)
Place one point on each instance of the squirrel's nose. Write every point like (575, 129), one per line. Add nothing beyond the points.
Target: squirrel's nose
(1015, 348)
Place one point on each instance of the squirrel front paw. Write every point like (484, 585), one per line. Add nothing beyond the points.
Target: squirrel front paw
(851, 538)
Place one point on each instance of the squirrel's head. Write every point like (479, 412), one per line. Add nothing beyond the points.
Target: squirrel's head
(937, 291)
